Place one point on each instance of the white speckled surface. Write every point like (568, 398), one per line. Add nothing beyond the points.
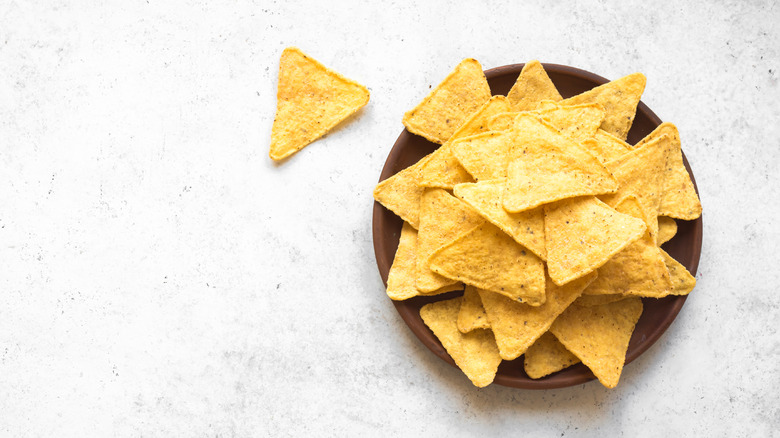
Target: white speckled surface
(162, 277)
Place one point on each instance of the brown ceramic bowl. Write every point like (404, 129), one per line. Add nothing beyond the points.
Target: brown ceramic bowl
(658, 314)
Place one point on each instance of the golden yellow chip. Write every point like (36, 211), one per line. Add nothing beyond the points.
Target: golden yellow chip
(450, 104)
(547, 166)
(443, 169)
(619, 98)
(471, 315)
(484, 156)
(599, 335)
(475, 353)
(547, 356)
(403, 273)
(489, 259)
(597, 300)
(578, 122)
(531, 87)
(443, 218)
(667, 228)
(502, 121)
(310, 100)
(606, 146)
(682, 280)
(638, 269)
(581, 234)
(527, 227)
(679, 199)
(516, 325)
(401, 193)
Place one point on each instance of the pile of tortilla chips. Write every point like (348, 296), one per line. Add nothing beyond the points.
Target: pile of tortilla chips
(549, 219)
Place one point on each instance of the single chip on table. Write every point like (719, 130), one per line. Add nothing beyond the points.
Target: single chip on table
(546, 166)
(599, 335)
(581, 234)
(450, 104)
(443, 169)
(527, 227)
(619, 98)
(516, 326)
(546, 356)
(682, 280)
(638, 269)
(401, 193)
(443, 218)
(679, 199)
(471, 315)
(310, 101)
(484, 156)
(532, 87)
(475, 352)
(490, 259)
(667, 228)
(403, 273)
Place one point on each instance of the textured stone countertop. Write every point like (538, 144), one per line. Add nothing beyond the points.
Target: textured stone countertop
(161, 276)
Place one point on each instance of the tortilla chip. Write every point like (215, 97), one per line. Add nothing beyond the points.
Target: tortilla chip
(547, 356)
(484, 156)
(310, 101)
(578, 122)
(443, 169)
(471, 315)
(679, 199)
(531, 87)
(682, 280)
(401, 193)
(597, 300)
(667, 228)
(638, 269)
(516, 325)
(619, 98)
(527, 227)
(606, 146)
(599, 335)
(502, 121)
(475, 353)
(581, 234)
(489, 259)
(403, 272)
(443, 218)
(450, 104)
(546, 166)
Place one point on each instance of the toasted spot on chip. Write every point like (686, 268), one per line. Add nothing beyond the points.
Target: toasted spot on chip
(516, 325)
(401, 193)
(546, 166)
(682, 280)
(471, 315)
(619, 98)
(531, 87)
(489, 259)
(310, 101)
(581, 234)
(443, 218)
(527, 227)
(484, 156)
(475, 352)
(599, 335)
(547, 356)
(403, 273)
(450, 104)
(679, 199)
(667, 228)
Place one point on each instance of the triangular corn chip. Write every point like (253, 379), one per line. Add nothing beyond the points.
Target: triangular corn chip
(682, 280)
(443, 169)
(475, 353)
(489, 259)
(450, 104)
(502, 121)
(597, 300)
(403, 273)
(531, 87)
(310, 100)
(484, 156)
(546, 356)
(581, 234)
(578, 122)
(619, 98)
(471, 315)
(527, 227)
(599, 335)
(545, 166)
(606, 146)
(516, 325)
(443, 218)
(679, 199)
(667, 228)
(401, 193)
